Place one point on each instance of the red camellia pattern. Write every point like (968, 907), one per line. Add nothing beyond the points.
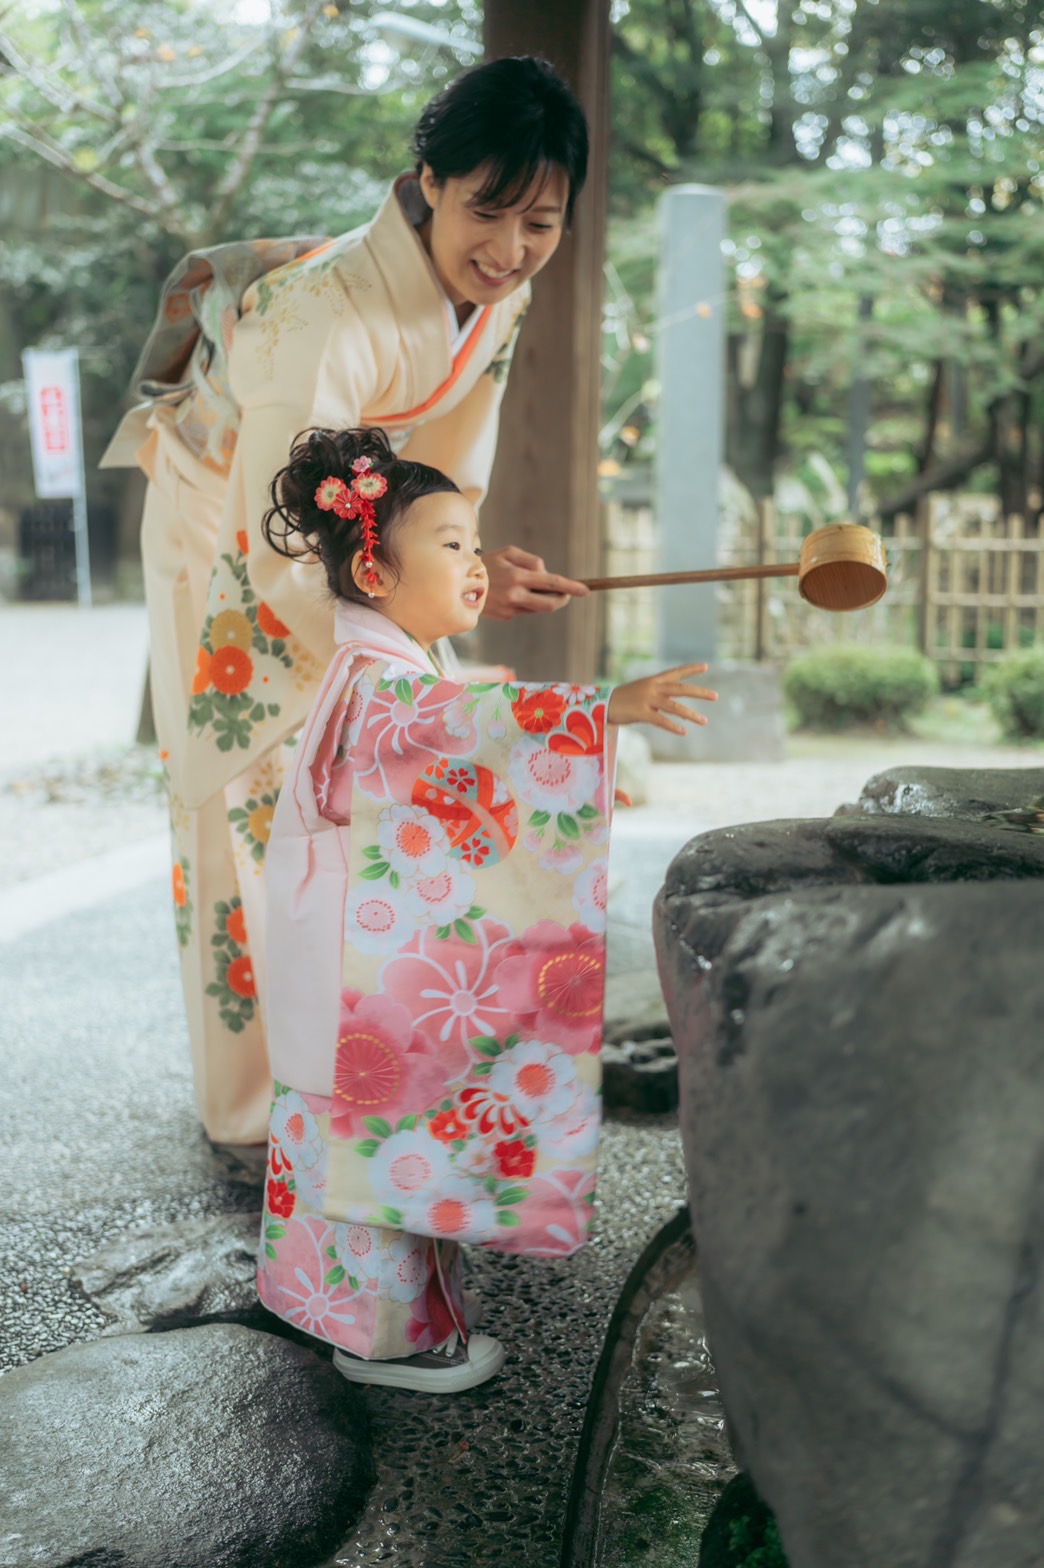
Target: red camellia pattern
(514, 1159)
(280, 1199)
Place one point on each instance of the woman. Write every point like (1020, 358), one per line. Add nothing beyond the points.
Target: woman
(408, 323)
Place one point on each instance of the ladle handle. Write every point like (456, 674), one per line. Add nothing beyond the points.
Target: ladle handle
(719, 574)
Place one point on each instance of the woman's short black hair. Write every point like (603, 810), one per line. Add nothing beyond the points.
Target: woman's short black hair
(296, 526)
(515, 116)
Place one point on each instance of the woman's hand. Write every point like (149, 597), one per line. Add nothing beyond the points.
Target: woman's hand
(649, 700)
(520, 584)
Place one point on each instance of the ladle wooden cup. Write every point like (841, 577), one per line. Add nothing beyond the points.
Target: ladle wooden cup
(842, 567)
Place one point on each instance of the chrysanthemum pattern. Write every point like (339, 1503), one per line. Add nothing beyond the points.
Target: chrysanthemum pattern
(464, 1102)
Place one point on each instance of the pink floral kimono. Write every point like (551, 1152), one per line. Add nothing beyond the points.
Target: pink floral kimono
(436, 887)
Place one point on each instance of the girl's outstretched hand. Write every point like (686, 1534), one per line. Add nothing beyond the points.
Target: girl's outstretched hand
(651, 699)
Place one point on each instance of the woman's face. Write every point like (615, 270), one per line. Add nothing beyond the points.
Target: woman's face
(482, 254)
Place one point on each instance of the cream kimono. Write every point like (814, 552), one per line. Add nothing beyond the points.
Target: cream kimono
(436, 965)
(255, 343)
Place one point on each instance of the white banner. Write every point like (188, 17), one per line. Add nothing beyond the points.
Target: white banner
(52, 384)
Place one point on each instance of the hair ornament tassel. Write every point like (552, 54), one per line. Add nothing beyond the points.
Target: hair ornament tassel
(355, 502)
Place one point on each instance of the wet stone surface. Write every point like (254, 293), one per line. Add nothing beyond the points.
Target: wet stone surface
(947, 792)
(169, 1276)
(672, 1457)
(857, 1005)
(213, 1447)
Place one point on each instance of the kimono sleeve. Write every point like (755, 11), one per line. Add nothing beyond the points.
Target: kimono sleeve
(478, 809)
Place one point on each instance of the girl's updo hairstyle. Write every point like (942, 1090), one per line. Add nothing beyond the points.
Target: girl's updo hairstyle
(295, 526)
(517, 118)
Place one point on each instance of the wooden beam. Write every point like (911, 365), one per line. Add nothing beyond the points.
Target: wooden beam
(544, 492)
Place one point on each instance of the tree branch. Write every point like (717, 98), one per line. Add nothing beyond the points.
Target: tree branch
(943, 476)
(109, 82)
(755, 27)
(253, 136)
(50, 87)
(40, 143)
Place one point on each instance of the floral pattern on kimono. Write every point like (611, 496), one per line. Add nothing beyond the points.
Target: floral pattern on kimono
(460, 1082)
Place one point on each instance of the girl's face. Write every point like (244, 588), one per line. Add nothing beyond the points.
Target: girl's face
(482, 254)
(442, 582)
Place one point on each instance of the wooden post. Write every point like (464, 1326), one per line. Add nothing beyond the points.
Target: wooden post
(925, 605)
(764, 511)
(544, 492)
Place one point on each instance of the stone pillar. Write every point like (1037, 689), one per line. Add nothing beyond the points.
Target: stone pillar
(544, 492)
(690, 414)
(747, 720)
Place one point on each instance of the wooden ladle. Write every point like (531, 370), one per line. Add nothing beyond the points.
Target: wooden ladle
(842, 567)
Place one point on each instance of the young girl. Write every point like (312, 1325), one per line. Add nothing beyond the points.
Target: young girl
(436, 883)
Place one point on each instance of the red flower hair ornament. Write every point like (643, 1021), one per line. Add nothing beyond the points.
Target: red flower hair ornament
(355, 502)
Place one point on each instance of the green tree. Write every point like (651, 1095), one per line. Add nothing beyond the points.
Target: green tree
(884, 171)
(130, 134)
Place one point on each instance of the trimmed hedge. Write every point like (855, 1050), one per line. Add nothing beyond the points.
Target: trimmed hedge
(1014, 688)
(834, 687)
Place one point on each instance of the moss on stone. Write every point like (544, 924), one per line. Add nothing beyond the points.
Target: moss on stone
(741, 1532)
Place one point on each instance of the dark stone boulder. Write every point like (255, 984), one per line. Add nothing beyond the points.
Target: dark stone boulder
(860, 1034)
(211, 1447)
(947, 792)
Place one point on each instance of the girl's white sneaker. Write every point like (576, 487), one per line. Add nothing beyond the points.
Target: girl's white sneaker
(449, 1369)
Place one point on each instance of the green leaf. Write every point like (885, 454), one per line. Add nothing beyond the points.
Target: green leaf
(237, 814)
(335, 1276)
(274, 1230)
(374, 872)
(257, 712)
(539, 819)
(485, 1045)
(464, 931)
(273, 710)
(390, 1217)
(368, 1148)
(378, 1126)
(481, 1069)
(475, 912)
(511, 1040)
(407, 1124)
(511, 693)
(483, 685)
(372, 852)
(393, 879)
(404, 691)
(353, 1282)
(507, 1218)
(510, 1195)
(430, 680)
(567, 825)
(587, 812)
(442, 932)
(331, 1252)
(270, 1251)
